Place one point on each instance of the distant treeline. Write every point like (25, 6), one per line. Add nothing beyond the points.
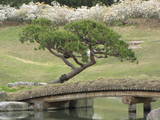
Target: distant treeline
(70, 3)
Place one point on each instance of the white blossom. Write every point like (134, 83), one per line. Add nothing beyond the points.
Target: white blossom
(95, 13)
(6, 12)
(63, 14)
(133, 9)
(27, 12)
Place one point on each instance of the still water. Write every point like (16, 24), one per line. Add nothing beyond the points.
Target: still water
(104, 109)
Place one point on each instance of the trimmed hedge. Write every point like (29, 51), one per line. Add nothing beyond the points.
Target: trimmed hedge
(70, 3)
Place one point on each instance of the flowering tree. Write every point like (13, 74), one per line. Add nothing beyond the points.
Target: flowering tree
(62, 14)
(83, 41)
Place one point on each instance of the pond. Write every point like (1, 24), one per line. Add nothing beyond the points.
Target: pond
(104, 109)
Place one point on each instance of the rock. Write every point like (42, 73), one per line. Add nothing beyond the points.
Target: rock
(14, 106)
(136, 42)
(135, 47)
(16, 84)
(42, 84)
(154, 115)
(21, 84)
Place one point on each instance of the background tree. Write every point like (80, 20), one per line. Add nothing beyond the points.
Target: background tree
(70, 3)
(83, 41)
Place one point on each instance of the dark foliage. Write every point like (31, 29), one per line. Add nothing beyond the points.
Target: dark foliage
(70, 3)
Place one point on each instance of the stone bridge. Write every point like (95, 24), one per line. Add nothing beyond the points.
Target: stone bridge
(69, 94)
(91, 89)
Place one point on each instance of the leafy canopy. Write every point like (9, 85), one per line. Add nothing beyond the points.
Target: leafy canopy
(77, 40)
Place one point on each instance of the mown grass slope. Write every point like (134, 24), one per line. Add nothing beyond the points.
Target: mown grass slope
(20, 62)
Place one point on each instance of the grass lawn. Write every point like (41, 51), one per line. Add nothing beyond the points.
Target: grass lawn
(20, 62)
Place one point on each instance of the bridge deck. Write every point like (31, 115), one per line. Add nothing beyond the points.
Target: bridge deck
(101, 87)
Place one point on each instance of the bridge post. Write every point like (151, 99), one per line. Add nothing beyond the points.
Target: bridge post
(146, 108)
(84, 113)
(132, 112)
(132, 101)
(83, 108)
(38, 106)
(82, 103)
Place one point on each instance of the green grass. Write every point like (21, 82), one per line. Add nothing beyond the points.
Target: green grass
(20, 62)
(148, 56)
(9, 89)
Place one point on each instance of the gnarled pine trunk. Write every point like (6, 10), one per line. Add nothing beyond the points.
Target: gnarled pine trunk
(66, 77)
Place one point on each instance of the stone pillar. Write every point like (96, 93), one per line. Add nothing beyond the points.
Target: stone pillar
(146, 108)
(39, 106)
(132, 112)
(82, 108)
(39, 116)
(82, 113)
(131, 101)
(82, 103)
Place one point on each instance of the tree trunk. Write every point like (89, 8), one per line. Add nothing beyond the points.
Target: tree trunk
(66, 77)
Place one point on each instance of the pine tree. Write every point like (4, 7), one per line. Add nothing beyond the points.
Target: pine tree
(83, 41)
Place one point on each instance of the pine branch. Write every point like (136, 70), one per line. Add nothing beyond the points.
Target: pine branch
(76, 61)
(63, 58)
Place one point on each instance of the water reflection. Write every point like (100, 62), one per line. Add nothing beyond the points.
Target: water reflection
(15, 115)
(105, 109)
(81, 114)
